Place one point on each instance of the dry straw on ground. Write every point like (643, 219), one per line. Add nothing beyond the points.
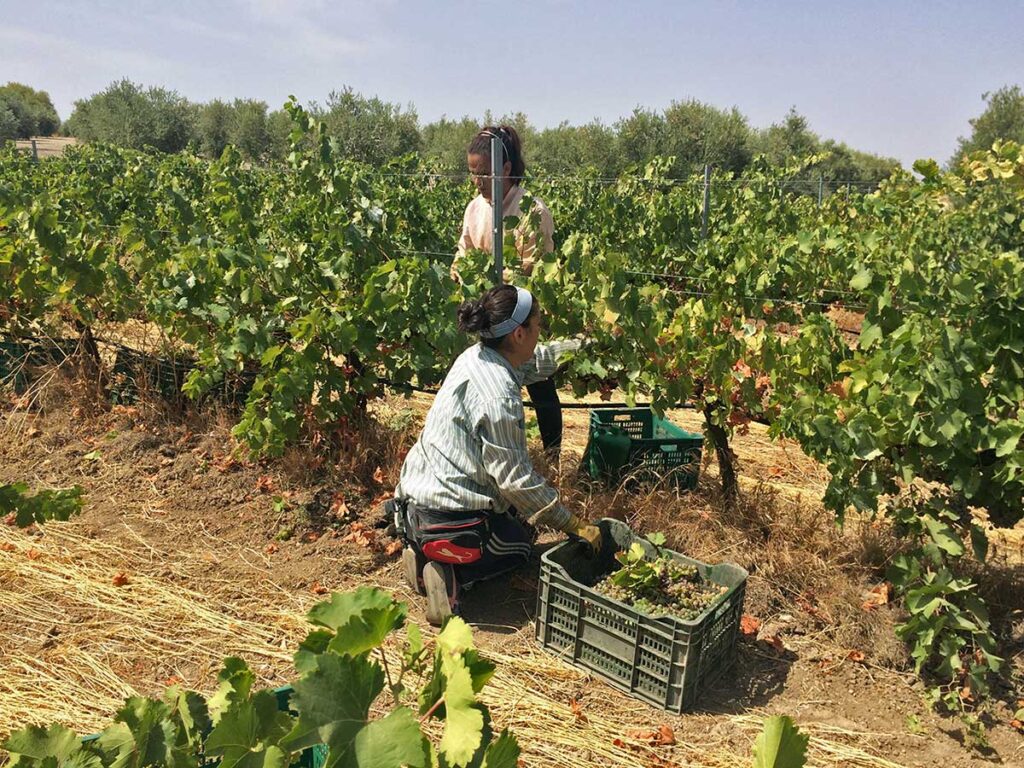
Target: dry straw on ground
(70, 640)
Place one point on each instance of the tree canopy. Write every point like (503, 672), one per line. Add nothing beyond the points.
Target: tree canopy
(369, 129)
(1003, 118)
(129, 115)
(26, 112)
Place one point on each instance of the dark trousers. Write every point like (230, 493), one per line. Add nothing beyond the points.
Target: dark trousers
(544, 395)
(505, 542)
(508, 547)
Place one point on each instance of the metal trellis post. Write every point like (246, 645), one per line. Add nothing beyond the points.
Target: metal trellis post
(821, 187)
(35, 151)
(497, 200)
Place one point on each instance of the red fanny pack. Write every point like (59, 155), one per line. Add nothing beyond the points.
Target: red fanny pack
(448, 537)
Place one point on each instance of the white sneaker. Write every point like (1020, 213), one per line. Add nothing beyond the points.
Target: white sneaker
(439, 583)
(412, 566)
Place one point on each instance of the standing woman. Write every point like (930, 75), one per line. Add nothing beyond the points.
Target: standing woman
(533, 237)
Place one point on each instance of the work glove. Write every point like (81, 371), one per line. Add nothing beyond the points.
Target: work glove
(584, 531)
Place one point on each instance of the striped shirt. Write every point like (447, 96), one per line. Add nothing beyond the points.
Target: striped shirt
(472, 452)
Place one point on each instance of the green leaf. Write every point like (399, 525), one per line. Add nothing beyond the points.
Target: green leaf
(464, 720)
(55, 504)
(414, 646)
(361, 619)
(393, 741)
(333, 702)
(271, 354)
(53, 747)
(1006, 436)
(481, 670)
(862, 279)
(316, 642)
(657, 538)
(220, 313)
(502, 752)
(979, 542)
(249, 734)
(780, 744)
(944, 536)
(929, 169)
(191, 711)
(869, 334)
(142, 735)
(456, 636)
(236, 680)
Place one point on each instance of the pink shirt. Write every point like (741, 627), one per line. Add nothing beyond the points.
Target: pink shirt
(479, 218)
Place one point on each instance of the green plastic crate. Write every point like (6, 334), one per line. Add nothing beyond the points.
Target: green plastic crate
(19, 357)
(136, 372)
(313, 757)
(633, 443)
(664, 661)
(13, 356)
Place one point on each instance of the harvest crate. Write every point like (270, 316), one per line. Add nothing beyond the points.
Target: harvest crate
(665, 661)
(313, 757)
(137, 372)
(635, 443)
(19, 357)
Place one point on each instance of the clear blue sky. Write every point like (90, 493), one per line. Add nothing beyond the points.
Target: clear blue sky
(897, 78)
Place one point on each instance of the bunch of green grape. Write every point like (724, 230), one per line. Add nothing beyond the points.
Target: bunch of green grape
(661, 588)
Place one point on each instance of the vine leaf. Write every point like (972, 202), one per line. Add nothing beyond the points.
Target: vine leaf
(189, 709)
(236, 680)
(464, 720)
(143, 734)
(780, 745)
(316, 642)
(394, 740)
(503, 752)
(53, 747)
(50, 504)
(943, 535)
(333, 702)
(361, 619)
(459, 673)
(249, 734)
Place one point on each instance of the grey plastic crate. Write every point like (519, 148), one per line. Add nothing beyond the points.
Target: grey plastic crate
(665, 661)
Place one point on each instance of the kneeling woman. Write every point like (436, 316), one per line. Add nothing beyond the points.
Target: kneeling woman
(468, 496)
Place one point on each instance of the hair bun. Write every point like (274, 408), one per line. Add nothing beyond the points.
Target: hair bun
(472, 316)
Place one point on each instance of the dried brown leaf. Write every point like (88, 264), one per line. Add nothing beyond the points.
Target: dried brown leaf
(749, 625)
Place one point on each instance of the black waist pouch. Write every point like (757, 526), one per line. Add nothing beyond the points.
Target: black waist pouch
(448, 537)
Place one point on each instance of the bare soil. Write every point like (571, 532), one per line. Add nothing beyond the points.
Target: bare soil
(168, 505)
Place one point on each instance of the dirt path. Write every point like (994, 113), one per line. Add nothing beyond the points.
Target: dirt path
(197, 538)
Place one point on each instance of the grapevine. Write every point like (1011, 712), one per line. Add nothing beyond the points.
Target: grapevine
(326, 278)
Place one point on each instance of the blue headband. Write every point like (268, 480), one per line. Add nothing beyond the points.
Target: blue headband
(524, 303)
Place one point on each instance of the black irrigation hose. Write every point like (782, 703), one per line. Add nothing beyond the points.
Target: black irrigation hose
(602, 404)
